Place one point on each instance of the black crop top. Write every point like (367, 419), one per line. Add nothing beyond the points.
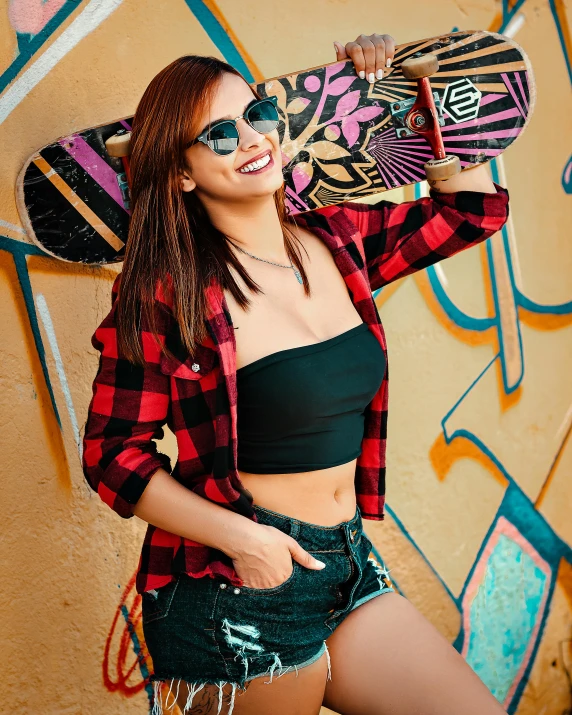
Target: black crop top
(303, 408)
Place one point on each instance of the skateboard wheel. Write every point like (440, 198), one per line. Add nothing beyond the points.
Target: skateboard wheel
(440, 169)
(419, 67)
(118, 144)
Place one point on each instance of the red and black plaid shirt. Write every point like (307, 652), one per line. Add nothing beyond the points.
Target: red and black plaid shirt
(196, 395)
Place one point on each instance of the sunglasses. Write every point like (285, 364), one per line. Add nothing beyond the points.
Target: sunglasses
(223, 138)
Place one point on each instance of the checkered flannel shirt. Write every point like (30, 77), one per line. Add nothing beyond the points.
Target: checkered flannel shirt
(196, 396)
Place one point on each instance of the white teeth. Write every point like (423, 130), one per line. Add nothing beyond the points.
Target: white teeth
(253, 166)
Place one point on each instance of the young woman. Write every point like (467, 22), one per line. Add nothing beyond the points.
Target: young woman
(255, 337)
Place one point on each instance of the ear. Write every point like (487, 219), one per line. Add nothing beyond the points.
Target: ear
(186, 181)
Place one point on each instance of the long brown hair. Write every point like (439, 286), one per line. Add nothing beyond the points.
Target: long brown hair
(171, 241)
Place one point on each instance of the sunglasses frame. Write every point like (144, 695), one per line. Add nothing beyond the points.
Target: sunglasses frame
(204, 135)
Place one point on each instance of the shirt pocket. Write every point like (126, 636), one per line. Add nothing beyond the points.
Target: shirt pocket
(185, 366)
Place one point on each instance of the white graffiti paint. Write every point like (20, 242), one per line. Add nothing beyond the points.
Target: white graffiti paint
(46, 319)
(514, 25)
(88, 20)
(12, 227)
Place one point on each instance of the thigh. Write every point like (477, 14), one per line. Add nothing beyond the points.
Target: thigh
(293, 693)
(388, 659)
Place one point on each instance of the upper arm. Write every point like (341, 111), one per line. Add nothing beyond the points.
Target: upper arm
(399, 239)
(128, 409)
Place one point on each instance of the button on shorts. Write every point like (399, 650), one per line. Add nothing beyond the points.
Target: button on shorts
(206, 631)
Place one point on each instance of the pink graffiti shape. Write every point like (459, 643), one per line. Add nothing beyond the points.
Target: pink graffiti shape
(350, 128)
(31, 16)
(300, 178)
(312, 83)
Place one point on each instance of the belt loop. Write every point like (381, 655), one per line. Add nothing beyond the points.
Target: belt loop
(294, 528)
(352, 532)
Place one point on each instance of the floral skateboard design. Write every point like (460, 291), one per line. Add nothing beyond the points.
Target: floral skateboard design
(446, 104)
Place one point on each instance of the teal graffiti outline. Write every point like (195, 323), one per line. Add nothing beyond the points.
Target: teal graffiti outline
(20, 252)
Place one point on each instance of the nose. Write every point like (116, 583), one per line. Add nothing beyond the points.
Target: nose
(249, 137)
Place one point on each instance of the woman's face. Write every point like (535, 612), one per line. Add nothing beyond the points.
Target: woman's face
(218, 178)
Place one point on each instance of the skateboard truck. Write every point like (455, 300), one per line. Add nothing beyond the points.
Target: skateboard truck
(424, 117)
(118, 146)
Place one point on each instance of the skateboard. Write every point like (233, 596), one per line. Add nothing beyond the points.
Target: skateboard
(446, 104)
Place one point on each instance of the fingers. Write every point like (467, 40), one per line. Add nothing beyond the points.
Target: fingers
(303, 557)
(389, 49)
(340, 51)
(371, 55)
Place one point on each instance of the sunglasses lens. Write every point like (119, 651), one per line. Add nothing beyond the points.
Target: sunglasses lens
(263, 116)
(223, 138)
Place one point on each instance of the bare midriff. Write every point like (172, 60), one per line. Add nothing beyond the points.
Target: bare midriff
(323, 496)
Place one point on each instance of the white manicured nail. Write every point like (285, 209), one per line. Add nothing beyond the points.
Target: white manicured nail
(388, 63)
(371, 77)
(379, 74)
(362, 75)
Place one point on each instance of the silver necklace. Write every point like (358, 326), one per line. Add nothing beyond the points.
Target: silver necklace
(280, 265)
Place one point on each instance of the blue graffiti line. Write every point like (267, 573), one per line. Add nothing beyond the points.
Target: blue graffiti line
(556, 19)
(20, 252)
(219, 36)
(138, 652)
(554, 309)
(454, 313)
(567, 177)
(509, 387)
(28, 45)
(509, 12)
(409, 538)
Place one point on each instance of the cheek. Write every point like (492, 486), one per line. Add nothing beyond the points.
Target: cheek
(212, 170)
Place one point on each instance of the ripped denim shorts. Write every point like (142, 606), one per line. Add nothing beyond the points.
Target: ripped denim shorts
(205, 631)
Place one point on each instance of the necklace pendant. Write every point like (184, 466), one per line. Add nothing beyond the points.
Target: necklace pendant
(298, 275)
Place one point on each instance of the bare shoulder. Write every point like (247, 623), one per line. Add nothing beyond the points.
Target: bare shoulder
(312, 243)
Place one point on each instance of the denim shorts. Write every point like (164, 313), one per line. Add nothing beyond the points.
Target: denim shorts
(205, 631)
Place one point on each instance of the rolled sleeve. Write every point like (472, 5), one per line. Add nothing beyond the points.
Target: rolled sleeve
(399, 239)
(127, 412)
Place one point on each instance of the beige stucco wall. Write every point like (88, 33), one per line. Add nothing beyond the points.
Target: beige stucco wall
(478, 533)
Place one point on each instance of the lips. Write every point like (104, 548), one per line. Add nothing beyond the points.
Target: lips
(255, 158)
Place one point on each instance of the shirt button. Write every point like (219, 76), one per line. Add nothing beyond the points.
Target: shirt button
(195, 367)
(237, 590)
(223, 585)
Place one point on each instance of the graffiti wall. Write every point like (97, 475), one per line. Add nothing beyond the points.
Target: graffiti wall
(478, 533)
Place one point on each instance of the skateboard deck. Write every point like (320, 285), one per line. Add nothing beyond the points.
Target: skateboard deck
(342, 138)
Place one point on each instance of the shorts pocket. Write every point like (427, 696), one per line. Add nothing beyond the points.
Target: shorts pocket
(275, 589)
(156, 603)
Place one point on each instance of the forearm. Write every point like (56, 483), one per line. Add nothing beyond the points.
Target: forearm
(475, 179)
(169, 505)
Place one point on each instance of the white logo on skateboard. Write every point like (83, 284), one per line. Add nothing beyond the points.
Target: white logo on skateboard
(461, 100)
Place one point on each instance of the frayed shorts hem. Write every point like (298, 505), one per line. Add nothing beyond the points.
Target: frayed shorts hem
(194, 687)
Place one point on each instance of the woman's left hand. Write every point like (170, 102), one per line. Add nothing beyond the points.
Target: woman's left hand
(371, 54)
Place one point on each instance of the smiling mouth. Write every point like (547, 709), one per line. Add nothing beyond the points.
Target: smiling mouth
(257, 166)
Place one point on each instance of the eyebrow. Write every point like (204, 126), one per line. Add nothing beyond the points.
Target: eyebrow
(228, 116)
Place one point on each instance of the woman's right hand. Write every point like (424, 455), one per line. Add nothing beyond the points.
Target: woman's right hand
(265, 559)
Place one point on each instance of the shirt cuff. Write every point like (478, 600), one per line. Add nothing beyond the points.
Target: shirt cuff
(475, 202)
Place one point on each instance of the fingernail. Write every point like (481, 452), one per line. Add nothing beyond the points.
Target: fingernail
(361, 74)
(321, 564)
(379, 74)
(371, 77)
(388, 63)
